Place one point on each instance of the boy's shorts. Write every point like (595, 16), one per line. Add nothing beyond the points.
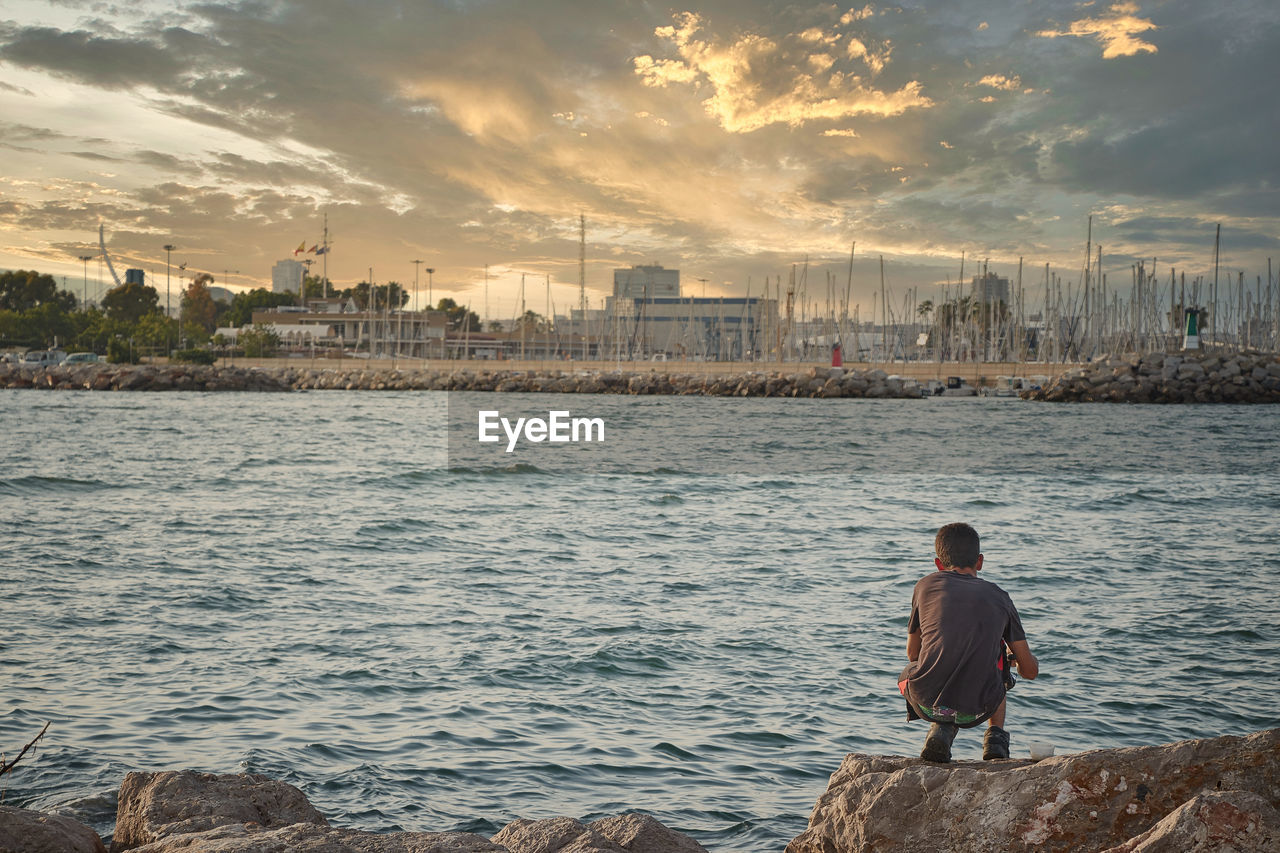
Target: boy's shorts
(938, 713)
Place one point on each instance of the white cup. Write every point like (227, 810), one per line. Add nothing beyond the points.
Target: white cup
(1039, 749)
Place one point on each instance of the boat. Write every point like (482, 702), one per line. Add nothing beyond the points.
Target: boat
(957, 387)
(1007, 387)
(953, 387)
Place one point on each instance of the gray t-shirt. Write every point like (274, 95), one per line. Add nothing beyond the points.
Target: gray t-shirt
(963, 623)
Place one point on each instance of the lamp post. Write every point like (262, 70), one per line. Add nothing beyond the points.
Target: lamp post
(85, 260)
(417, 321)
(426, 330)
(168, 303)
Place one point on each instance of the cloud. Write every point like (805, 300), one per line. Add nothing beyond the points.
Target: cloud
(757, 80)
(1001, 81)
(454, 131)
(1118, 30)
(112, 63)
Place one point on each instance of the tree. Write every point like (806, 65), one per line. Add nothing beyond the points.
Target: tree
(460, 319)
(532, 321)
(260, 341)
(97, 329)
(22, 290)
(314, 287)
(259, 299)
(360, 293)
(154, 330)
(131, 301)
(198, 312)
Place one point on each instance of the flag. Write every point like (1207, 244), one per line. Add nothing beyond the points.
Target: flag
(323, 250)
(311, 251)
(302, 247)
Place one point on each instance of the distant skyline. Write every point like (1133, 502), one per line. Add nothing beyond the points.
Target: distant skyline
(729, 140)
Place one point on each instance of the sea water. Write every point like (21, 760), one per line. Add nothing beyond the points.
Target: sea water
(696, 618)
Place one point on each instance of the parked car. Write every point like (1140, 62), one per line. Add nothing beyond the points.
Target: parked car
(10, 358)
(43, 358)
(82, 358)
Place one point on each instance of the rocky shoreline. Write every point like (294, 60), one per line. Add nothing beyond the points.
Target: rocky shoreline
(1154, 377)
(1215, 794)
(811, 382)
(169, 811)
(1158, 377)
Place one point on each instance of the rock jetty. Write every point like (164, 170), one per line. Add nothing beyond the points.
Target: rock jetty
(1195, 796)
(810, 382)
(1158, 377)
(188, 811)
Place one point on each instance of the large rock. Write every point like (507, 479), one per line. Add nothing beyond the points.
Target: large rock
(627, 833)
(1089, 801)
(23, 831)
(156, 805)
(1214, 822)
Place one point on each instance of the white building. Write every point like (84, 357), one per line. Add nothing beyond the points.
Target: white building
(286, 276)
(646, 282)
(990, 289)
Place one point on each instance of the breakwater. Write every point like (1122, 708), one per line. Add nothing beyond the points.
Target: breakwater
(1154, 377)
(1158, 377)
(808, 382)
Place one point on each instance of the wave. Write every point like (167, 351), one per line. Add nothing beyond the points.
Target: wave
(34, 485)
(520, 468)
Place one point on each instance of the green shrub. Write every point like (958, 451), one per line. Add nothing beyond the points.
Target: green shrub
(119, 352)
(194, 356)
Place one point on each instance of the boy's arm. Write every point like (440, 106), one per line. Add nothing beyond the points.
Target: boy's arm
(1028, 666)
(913, 645)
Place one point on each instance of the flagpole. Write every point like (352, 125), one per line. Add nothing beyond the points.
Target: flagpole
(324, 288)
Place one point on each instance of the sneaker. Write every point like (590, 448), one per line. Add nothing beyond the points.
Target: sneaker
(995, 744)
(937, 746)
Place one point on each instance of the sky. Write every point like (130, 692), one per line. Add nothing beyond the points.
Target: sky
(741, 142)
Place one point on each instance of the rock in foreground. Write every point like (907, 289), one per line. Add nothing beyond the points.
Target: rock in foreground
(36, 832)
(152, 806)
(1215, 794)
(187, 811)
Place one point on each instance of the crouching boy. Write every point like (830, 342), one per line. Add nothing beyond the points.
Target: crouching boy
(956, 639)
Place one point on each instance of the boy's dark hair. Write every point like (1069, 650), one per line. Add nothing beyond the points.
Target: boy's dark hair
(957, 546)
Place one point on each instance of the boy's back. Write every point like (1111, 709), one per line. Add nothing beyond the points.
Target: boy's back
(964, 623)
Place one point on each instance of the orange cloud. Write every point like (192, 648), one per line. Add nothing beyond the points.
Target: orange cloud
(1001, 81)
(756, 81)
(1118, 30)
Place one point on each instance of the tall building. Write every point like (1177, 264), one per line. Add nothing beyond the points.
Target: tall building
(990, 289)
(646, 282)
(286, 276)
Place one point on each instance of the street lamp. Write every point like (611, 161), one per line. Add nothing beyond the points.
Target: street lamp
(85, 260)
(426, 330)
(168, 303)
